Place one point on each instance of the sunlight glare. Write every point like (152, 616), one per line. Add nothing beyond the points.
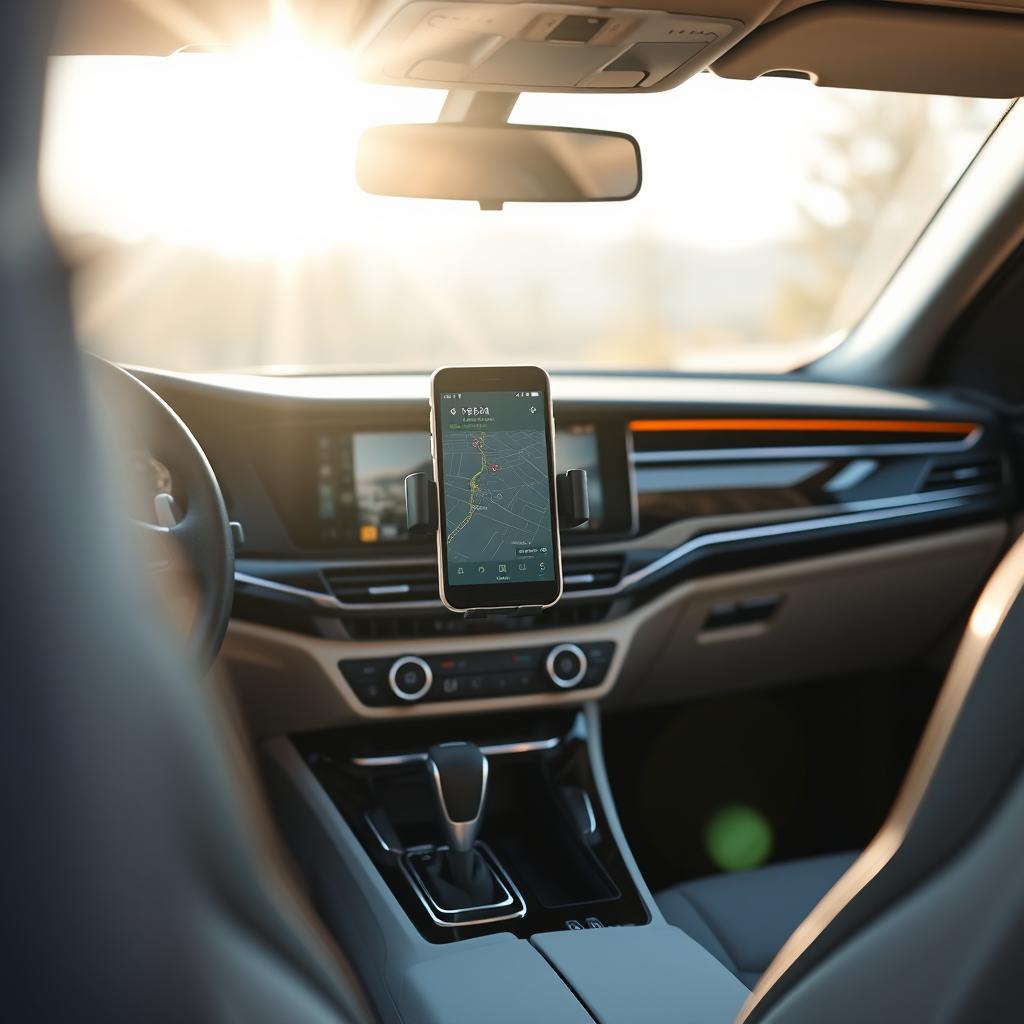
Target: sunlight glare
(209, 205)
(249, 153)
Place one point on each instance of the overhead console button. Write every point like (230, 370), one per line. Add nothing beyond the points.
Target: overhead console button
(546, 46)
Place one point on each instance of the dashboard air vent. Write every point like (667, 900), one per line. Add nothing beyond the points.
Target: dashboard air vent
(383, 584)
(443, 624)
(396, 583)
(590, 573)
(963, 473)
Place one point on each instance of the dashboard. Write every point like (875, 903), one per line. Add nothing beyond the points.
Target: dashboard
(743, 533)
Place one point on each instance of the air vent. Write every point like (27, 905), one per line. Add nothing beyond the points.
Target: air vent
(445, 624)
(384, 584)
(964, 473)
(390, 584)
(596, 573)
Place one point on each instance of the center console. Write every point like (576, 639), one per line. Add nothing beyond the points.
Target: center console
(461, 675)
(483, 876)
(544, 856)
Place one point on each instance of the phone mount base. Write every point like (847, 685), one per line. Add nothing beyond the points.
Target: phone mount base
(421, 513)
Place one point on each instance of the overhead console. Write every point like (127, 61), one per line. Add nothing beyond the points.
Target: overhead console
(521, 47)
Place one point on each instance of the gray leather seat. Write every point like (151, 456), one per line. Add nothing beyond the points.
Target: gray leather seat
(142, 878)
(928, 923)
(744, 919)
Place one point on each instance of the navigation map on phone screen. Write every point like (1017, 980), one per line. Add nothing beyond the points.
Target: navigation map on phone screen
(497, 489)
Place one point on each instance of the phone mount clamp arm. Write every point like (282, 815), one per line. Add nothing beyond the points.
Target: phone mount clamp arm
(421, 512)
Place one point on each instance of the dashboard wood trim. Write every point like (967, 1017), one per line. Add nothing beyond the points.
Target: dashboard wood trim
(839, 451)
(962, 428)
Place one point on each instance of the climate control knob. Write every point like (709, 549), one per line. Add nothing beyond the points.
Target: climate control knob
(566, 665)
(410, 678)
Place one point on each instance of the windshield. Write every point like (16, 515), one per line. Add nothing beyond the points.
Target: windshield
(209, 206)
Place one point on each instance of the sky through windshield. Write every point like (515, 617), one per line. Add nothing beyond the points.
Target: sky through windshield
(210, 207)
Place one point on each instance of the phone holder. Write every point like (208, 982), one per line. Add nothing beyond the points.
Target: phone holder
(421, 513)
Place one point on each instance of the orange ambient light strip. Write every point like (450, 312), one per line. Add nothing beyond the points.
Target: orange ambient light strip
(963, 429)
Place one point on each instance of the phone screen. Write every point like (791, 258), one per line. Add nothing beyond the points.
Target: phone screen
(497, 503)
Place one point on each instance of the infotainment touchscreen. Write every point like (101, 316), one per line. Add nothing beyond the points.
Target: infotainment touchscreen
(360, 480)
(576, 448)
(361, 484)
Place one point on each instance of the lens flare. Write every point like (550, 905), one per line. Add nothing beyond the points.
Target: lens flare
(738, 837)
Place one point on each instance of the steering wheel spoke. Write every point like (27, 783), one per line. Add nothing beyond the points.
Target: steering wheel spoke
(189, 536)
(161, 551)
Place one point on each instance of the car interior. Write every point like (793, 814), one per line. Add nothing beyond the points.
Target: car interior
(761, 760)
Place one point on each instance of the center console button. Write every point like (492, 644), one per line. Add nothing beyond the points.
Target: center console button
(368, 680)
(477, 686)
(452, 686)
(526, 682)
(599, 653)
(566, 665)
(410, 678)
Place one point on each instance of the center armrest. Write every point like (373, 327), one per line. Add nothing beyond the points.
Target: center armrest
(497, 982)
(646, 975)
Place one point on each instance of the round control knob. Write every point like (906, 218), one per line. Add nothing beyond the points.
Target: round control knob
(410, 677)
(566, 665)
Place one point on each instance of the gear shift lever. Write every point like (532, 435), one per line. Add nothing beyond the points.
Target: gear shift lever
(463, 883)
(459, 771)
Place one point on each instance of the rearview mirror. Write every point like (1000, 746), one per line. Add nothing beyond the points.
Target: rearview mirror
(500, 164)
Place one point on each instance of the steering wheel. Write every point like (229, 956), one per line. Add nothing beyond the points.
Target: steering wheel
(191, 534)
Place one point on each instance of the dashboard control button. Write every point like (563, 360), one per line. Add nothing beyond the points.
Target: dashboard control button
(368, 680)
(566, 665)
(452, 687)
(527, 659)
(410, 678)
(599, 657)
(527, 682)
(599, 653)
(362, 671)
(372, 693)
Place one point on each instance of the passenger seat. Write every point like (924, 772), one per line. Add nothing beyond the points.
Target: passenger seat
(743, 919)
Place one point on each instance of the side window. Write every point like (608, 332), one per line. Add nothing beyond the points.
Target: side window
(985, 351)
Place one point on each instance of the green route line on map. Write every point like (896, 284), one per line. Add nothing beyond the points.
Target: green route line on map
(474, 486)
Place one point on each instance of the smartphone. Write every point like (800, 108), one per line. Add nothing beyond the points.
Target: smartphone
(493, 445)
